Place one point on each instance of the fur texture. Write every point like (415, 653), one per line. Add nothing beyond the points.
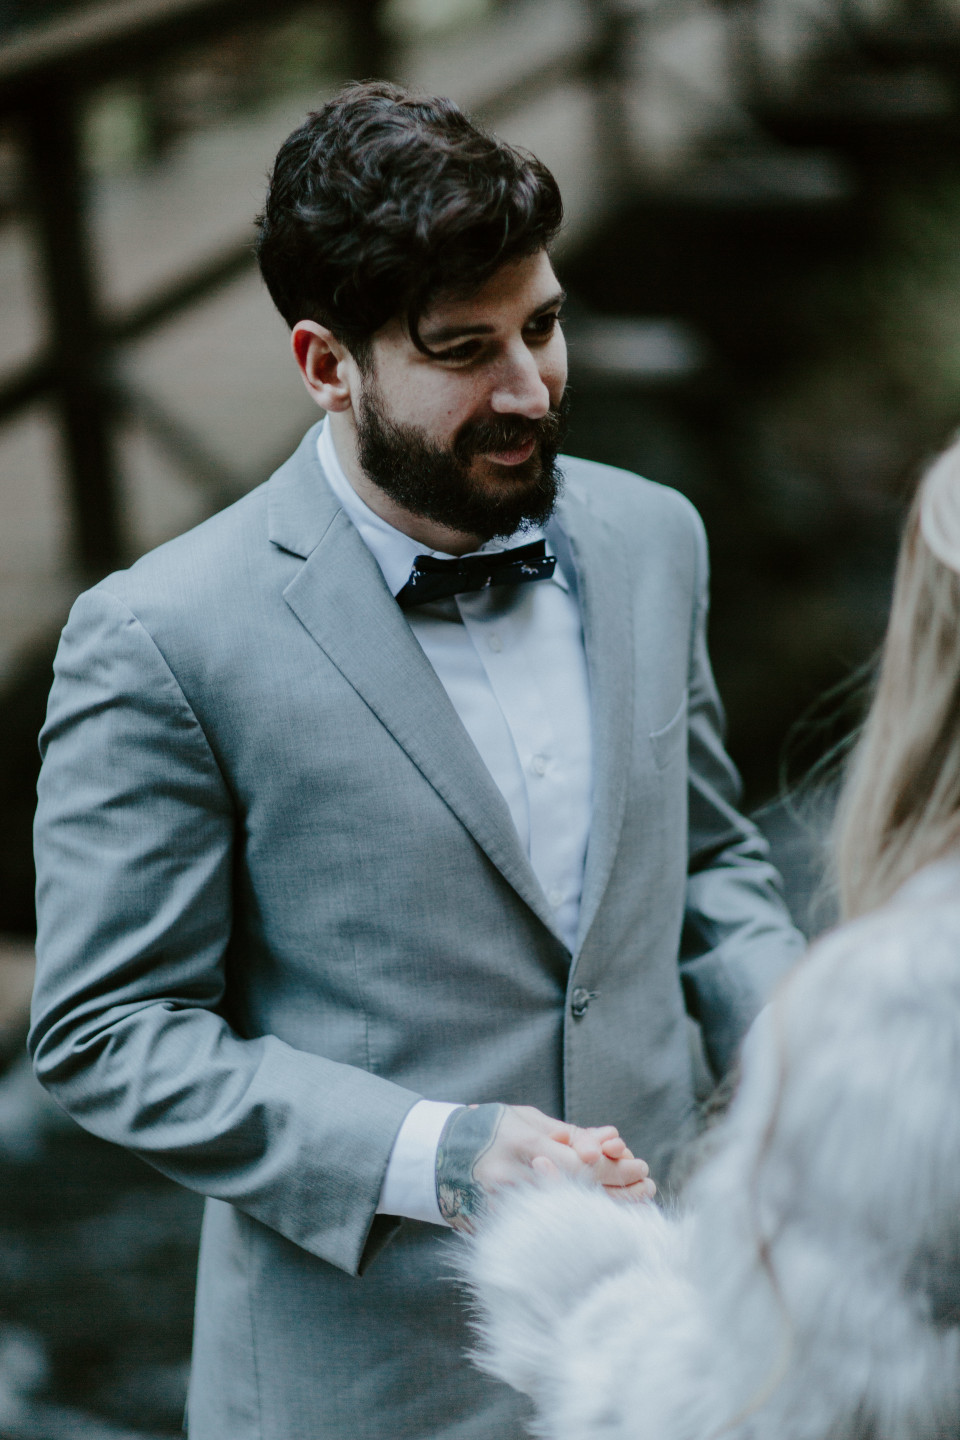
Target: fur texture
(810, 1287)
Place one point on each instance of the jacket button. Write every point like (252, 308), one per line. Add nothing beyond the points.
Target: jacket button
(579, 1001)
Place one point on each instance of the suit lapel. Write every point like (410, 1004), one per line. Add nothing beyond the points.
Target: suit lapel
(341, 598)
(599, 558)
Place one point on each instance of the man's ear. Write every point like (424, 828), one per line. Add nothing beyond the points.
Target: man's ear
(324, 364)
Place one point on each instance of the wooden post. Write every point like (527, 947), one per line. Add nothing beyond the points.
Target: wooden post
(370, 55)
(82, 374)
(613, 27)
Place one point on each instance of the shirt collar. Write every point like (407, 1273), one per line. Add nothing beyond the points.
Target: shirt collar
(394, 551)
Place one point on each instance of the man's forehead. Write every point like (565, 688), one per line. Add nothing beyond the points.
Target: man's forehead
(521, 285)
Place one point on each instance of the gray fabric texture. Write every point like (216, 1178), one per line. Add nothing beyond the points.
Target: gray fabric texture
(280, 899)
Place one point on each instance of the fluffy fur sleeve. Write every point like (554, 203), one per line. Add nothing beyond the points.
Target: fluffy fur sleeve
(573, 1292)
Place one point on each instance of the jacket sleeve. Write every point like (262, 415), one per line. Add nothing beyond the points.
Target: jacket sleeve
(737, 938)
(134, 847)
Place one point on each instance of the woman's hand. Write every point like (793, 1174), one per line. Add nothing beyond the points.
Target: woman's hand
(486, 1147)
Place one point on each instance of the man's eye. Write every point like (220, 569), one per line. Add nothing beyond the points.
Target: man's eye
(544, 325)
(466, 351)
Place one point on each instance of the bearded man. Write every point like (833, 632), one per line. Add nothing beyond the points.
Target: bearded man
(386, 833)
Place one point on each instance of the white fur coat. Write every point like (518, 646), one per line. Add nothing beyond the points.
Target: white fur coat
(810, 1287)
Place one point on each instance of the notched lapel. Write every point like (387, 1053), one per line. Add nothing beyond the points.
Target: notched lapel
(340, 597)
(602, 573)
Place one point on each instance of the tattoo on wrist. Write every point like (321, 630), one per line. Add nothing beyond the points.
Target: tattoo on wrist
(465, 1139)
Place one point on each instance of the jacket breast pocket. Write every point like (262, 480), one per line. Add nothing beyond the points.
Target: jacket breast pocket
(669, 742)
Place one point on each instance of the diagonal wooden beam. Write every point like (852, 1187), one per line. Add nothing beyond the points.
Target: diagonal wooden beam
(114, 37)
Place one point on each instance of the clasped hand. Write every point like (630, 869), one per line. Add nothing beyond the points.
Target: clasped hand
(486, 1147)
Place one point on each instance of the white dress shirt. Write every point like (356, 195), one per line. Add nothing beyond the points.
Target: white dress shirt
(512, 661)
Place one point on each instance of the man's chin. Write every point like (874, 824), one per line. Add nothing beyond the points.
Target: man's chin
(513, 501)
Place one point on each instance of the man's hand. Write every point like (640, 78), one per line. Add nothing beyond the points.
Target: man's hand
(484, 1147)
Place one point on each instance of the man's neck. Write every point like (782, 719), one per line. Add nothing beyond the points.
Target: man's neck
(426, 532)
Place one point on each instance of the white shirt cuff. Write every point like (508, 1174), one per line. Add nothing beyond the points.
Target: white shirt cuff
(410, 1184)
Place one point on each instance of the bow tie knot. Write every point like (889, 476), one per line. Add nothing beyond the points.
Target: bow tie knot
(434, 579)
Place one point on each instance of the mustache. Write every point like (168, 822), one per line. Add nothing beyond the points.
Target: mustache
(510, 432)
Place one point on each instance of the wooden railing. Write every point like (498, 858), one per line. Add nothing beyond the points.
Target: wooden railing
(45, 77)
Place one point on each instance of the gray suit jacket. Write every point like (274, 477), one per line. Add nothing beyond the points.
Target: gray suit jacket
(280, 898)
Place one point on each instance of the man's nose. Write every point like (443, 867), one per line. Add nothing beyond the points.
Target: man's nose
(520, 388)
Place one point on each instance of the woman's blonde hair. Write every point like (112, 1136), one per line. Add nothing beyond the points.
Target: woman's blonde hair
(900, 806)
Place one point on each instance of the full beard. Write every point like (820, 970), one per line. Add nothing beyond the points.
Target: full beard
(436, 482)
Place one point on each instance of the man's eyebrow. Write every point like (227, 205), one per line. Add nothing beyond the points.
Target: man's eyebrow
(457, 332)
(553, 303)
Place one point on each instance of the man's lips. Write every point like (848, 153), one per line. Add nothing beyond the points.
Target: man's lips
(516, 456)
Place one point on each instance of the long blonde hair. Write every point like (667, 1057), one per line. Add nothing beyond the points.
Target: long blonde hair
(900, 806)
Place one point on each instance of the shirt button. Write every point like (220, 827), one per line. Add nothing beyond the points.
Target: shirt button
(495, 643)
(538, 765)
(555, 897)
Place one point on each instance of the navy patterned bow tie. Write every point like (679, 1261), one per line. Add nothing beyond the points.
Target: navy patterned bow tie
(434, 579)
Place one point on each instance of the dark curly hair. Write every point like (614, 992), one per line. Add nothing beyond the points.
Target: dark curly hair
(382, 200)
